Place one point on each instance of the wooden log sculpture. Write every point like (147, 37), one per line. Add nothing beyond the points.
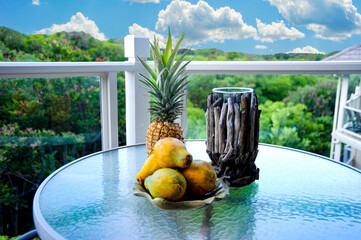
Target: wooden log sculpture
(233, 137)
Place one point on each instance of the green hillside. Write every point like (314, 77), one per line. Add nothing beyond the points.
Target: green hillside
(63, 46)
(79, 46)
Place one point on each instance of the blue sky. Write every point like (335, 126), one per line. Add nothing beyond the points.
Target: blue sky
(250, 26)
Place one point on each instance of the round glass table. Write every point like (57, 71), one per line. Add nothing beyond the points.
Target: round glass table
(299, 195)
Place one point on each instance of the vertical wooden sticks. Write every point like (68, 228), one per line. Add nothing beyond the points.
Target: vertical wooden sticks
(233, 137)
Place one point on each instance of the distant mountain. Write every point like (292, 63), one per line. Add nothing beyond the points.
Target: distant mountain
(117, 40)
(216, 54)
(80, 46)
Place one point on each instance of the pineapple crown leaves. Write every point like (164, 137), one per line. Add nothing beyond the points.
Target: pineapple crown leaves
(166, 84)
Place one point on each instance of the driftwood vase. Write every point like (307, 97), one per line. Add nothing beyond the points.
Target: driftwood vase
(232, 120)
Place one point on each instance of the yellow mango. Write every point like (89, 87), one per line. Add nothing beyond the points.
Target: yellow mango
(201, 177)
(171, 153)
(166, 183)
(149, 167)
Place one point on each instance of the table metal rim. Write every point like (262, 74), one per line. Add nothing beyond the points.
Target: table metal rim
(312, 154)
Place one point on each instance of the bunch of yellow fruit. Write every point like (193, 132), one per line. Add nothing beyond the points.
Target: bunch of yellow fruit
(171, 170)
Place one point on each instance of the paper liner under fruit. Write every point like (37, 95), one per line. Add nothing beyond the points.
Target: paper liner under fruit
(219, 192)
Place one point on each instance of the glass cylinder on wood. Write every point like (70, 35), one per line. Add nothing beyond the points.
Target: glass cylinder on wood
(232, 120)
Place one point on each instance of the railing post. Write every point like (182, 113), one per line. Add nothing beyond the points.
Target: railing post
(136, 95)
(335, 143)
(109, 110)
(342, 92)
(182, 119)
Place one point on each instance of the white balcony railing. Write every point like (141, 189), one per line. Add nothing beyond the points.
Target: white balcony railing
(137, 116)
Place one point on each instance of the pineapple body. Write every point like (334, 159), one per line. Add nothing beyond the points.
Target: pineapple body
(166, 85)
(162, 129)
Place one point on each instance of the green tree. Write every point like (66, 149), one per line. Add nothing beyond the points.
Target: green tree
(233, 55)
(292, 126)
(12, 39)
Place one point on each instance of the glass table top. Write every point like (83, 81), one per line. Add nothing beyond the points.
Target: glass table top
(298, 195)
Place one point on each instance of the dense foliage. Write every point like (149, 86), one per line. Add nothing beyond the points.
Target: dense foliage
(26, 158)
(45, 122)
(297, 110)
(319, 98)
(38, 117)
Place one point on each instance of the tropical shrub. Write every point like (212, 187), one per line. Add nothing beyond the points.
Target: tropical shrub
(319, 98)
(290, 125)
(26, 158)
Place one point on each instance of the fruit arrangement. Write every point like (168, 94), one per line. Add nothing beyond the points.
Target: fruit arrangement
(170, 172)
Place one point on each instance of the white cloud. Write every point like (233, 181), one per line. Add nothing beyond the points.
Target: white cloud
(144, 1)
(325, 32)
(307, 49)
(329, 19)
(277, 31)
(202, 23)
(77, 23)
(139, 30)
(261, 47)
(36, 2)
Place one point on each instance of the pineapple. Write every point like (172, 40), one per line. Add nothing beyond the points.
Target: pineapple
(166, 85)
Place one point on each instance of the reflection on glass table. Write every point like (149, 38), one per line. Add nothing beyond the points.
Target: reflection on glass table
(299, 195)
